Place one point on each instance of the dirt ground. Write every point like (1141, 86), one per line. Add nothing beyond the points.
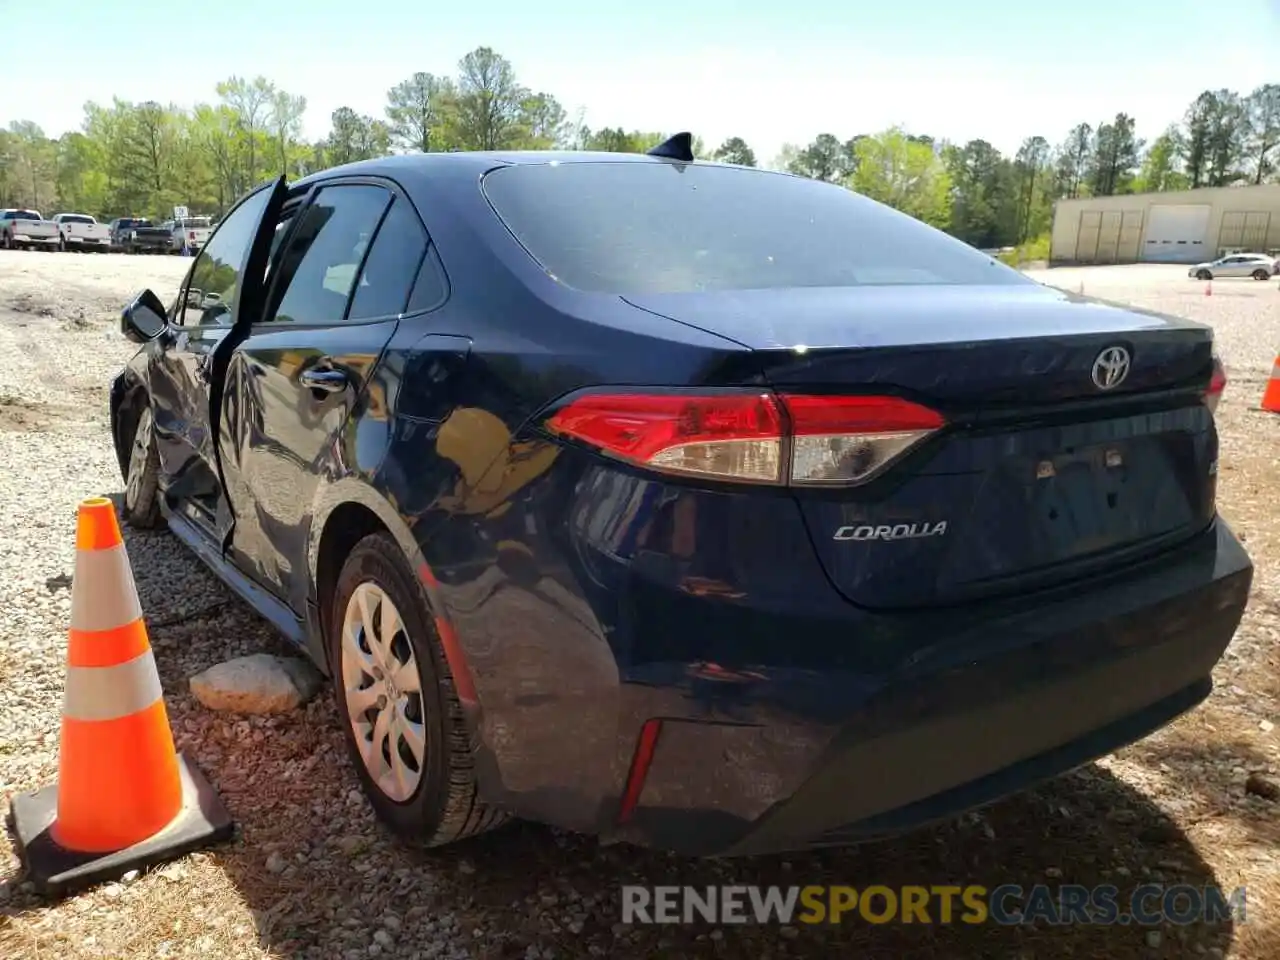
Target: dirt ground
(312, 875)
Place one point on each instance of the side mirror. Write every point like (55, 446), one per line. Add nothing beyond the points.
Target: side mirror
(144, 318)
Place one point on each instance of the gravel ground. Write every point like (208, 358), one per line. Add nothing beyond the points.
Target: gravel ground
(312, 875)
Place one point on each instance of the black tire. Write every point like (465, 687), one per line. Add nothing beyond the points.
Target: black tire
(1204, 275)
(444, 807)
(140, 504)
(1261, 275)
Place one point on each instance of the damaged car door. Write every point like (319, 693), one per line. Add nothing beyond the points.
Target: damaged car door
(224, 285)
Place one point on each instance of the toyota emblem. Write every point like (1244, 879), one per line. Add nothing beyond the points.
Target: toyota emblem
(1110, 368)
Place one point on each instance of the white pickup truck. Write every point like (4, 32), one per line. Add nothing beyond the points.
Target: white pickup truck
(23, 229)
(190, 232)
(81, 232)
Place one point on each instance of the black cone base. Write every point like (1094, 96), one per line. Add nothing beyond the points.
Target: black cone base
(201, 822)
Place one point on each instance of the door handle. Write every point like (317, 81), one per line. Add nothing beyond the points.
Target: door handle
(325, 379)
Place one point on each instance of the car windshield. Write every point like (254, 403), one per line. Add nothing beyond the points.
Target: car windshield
(641, 227)
(24, 215)
(76, 218)
(194, 222)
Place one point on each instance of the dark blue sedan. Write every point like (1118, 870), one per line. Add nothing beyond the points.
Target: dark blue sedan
(686, 504)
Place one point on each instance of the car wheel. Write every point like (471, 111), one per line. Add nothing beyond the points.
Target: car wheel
(142, 477)
(1204, 275)
(1261, 275)
(402, 721)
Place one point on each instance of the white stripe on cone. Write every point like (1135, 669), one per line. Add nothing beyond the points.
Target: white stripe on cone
(103, 594)
(109, 693)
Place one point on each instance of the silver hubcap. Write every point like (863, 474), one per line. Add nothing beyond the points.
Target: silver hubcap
(383, 692)
(138, 458)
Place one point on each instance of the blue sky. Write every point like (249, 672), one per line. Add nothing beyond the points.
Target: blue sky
(768, 72)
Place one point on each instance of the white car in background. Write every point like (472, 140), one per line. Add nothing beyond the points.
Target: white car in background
(23, 229)
(190, 232)
(82, 232)
(1260, 266)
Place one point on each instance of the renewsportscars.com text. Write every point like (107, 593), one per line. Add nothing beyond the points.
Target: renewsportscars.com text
(1008, 904)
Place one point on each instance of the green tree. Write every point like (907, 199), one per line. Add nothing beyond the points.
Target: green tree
(1160, 166)
(544, 122)
(984, 210)
(287, 111)
(1031, 175)
(1115, 156)
(250, 103)
(490, 102)
(418, 110)
(355, 137)
(1075, 158)
(1262, 134)
(826, 158)
(30, 166)
(1217, 131)
(905, 175)
(617, 140)
(735, 150)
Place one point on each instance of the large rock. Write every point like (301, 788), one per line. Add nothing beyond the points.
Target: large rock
(259, 683)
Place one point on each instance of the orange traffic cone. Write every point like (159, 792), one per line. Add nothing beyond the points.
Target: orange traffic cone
(1271, 395)
(124, 798)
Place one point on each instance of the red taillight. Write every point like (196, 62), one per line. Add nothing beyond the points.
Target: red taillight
(751, 436)
(1217, 384)
(191, 235)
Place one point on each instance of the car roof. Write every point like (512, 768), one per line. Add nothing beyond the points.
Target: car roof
(472, 164)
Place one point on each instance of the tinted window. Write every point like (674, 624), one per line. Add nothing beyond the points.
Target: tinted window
(628, 227)
(389, 271)
(76, 218)
(429, 289)
(24, 215)
(215, 275)
(324, 251)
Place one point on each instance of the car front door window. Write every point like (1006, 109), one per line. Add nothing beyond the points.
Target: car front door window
(215, 275)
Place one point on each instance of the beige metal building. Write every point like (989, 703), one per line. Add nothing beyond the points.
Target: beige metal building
(1185, 227)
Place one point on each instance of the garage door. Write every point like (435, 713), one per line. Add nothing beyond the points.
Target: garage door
(1177, 234)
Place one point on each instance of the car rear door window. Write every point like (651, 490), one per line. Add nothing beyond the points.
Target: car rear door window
(657, 227)
(324, 250)
(392, 264)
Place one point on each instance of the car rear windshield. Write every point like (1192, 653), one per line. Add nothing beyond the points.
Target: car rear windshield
(640, 227)
(24, 215)
(194, 222)
(76, 218)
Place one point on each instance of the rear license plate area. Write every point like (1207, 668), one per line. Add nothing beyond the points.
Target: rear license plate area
(1080, 500)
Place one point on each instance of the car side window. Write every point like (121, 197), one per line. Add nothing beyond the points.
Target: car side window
(430, 287)
(324, 252)
(389, 271)
(215, 275)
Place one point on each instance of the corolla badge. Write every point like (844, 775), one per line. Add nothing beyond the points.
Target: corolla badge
(1110, 368)
(896, 531)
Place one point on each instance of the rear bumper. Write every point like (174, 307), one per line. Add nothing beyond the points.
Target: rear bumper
(989, 711)
(789, 717)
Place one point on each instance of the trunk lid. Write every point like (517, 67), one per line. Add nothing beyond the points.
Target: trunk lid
(1040, 476)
